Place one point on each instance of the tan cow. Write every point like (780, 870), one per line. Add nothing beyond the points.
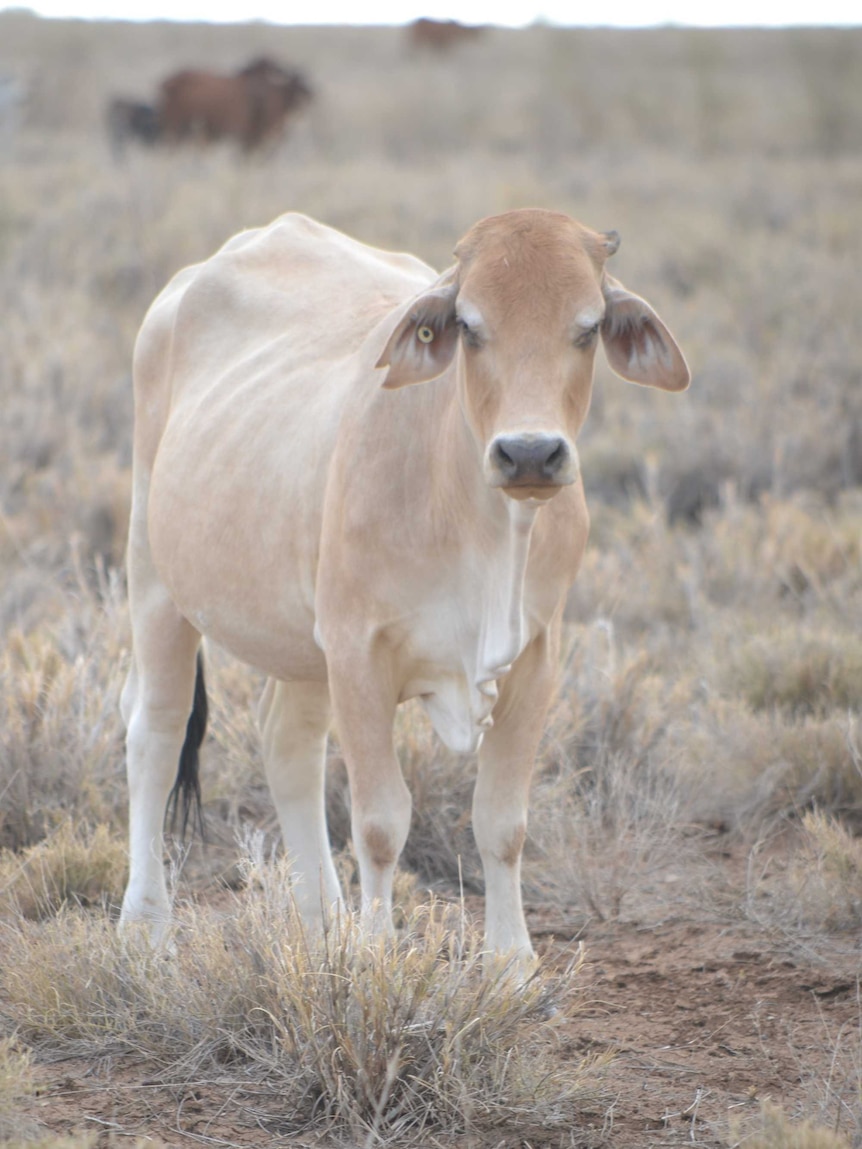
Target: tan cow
(362, 478)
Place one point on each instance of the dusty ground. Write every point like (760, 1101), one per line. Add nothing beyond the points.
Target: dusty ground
(707, 1022)
(707, 1015)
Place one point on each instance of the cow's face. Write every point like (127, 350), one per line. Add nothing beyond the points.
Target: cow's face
(520, 316)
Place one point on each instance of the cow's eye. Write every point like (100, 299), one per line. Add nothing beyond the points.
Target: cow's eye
(587, 338)
(469, 334)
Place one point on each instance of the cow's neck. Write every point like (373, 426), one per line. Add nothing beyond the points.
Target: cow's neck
(497, 532)
(503, 634)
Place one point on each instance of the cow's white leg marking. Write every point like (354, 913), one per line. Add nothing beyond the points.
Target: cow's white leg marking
(156, 703)
(380, 801)
(294, 721)
(502, 790)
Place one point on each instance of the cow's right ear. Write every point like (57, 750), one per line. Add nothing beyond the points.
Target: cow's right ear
(423, 344)
(638, 345)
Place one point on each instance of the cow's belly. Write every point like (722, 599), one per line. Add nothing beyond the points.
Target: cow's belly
(264, 624)
(273, 645)
(236, 546)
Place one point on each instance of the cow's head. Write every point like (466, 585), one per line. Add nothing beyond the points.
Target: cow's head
(520, 314)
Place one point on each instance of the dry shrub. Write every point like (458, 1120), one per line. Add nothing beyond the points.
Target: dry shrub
(60, 732)
(636, 574)
(608, 809)
(75, 865)
(399, 1037)
(811, 544)
(16, 1088)
(826, 874)
(595, 847)
(741, 767)
(814, 893)
(81, 1141)
(776, 1131)
(803, 674)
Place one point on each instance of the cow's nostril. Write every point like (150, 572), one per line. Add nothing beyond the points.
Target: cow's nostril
(507, 462)
(556, 459)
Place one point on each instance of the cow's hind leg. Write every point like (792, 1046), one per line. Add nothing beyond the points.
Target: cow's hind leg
(294, 721)
(157, 703)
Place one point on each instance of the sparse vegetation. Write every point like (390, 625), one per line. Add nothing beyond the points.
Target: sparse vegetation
(711, 685)
(777, 1131)
(73, 866)
(16, 1087)
(366, 1037)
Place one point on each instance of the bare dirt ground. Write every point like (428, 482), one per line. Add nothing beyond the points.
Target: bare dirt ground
(706, 1015)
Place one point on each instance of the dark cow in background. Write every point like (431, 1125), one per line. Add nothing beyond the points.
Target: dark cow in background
(440, 35)
(250, 107)
(131, 120)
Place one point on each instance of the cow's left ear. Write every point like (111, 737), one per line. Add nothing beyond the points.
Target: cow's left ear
(638, 345)
(423, 344)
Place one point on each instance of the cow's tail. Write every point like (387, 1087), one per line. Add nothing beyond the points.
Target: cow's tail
(185, 797)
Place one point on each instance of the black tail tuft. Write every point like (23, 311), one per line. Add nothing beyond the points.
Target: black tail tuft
(187, 788)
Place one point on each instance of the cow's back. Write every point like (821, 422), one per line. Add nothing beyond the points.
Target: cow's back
(296, 299)
(244, 369)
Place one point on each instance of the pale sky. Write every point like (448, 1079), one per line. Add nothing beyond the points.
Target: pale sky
(621, 13)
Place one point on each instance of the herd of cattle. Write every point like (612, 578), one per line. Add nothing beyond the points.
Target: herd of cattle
(251, 107)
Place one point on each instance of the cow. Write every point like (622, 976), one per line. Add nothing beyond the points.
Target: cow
(129, 120)
(361, 477)
(250, 107)
(440, 35)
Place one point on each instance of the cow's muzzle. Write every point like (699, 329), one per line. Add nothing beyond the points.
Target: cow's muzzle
(541, 462)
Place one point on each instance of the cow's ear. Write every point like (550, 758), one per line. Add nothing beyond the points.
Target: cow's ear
(638, 345)
(422, 345)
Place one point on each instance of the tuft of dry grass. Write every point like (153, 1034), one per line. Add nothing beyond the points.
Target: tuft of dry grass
(368, 1037)
(776, 1131)
(74, 865)
(16, 1088)
(800, 673)
(60, 730)
(813, 897)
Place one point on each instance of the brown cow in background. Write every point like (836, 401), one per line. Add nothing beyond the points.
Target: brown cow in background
(440, 35)
(251, 107)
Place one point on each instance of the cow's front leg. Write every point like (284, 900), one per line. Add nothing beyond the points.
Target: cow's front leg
(506, 762)
(364, 703)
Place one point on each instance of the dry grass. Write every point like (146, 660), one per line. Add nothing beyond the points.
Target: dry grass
(812, 894)
(73, 866)
(391, 1039)
(777, 1131)
(16, 1088)
(60, 733)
